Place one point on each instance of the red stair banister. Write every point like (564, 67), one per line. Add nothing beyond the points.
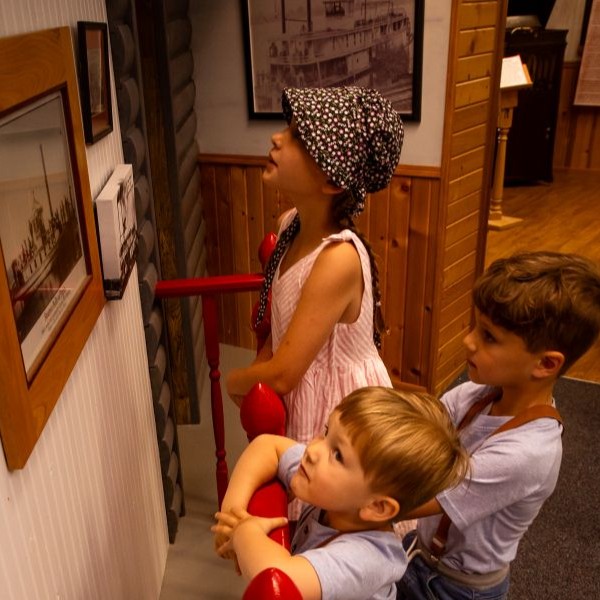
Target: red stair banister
(261, 411)
(207, 288)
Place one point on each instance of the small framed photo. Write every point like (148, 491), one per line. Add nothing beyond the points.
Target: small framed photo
(94, 80)
(334, 43)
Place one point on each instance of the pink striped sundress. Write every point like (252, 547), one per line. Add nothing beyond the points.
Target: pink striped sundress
(349, 359)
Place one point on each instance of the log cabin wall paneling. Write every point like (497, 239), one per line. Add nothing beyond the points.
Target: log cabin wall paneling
(169, 89)
(476, 41)
(577, 143)
(239, 211)
(123, 27)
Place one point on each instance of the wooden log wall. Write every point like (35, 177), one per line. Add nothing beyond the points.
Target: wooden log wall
(123, 28)
(169, 90)
(239, 210)
(577, 143)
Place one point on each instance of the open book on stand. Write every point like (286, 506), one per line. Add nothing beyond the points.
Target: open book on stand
(514, 74)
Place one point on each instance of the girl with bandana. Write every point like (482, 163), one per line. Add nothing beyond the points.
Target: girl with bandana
(326, 320)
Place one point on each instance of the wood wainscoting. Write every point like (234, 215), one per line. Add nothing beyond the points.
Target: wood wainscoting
(398, 222)
(577, 144)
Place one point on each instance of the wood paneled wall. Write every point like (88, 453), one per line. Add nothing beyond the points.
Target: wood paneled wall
(471, 113)
(239, 211)
(577, 144)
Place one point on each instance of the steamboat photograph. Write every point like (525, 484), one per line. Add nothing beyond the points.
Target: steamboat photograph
(330, 43)
(39, 233)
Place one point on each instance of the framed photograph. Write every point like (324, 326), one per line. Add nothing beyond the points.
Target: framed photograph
(50, 277)
(94, 80)
(332, 43)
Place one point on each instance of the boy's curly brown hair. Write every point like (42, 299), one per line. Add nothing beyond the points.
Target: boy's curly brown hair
(549, 299)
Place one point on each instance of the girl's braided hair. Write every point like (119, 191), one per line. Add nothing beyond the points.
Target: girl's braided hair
(344, 210)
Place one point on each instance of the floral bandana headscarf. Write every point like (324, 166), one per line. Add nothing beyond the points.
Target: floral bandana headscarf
(353, 134)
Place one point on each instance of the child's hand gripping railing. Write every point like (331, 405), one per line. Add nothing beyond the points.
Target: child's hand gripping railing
(263, 412)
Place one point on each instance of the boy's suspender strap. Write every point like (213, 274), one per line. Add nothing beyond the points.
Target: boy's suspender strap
(539, 411)
(476, 408)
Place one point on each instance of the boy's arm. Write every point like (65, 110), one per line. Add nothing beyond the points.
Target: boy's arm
(256, 552)
(258, 464)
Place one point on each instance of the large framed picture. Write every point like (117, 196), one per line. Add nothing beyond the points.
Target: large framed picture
(50, 278)
(94, 80)
(331, 43)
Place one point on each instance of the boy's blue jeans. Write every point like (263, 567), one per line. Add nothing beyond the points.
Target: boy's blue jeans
(421, 582)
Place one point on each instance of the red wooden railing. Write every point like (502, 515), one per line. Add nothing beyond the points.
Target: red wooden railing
(261, 412)
(208, 288)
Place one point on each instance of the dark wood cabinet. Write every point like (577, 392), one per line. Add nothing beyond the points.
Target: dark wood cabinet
(531, 137)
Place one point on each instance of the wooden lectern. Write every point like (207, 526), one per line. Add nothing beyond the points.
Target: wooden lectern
(515, 76)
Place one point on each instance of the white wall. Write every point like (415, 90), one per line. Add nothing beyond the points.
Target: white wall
(85, 518)
(221, 103)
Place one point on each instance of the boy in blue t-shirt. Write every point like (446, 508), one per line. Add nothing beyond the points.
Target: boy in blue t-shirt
(535, 315)
(384, 452)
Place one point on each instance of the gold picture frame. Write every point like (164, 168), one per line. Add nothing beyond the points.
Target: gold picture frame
(51, 290)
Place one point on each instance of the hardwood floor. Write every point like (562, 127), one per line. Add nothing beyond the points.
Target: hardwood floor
(563, 216)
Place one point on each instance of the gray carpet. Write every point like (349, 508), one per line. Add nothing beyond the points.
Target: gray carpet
(559, 557)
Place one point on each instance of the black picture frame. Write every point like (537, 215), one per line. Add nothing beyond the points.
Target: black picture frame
(333, 43)
(94, 80)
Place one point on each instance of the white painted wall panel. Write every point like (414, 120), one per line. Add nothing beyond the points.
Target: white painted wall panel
(85, 518)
